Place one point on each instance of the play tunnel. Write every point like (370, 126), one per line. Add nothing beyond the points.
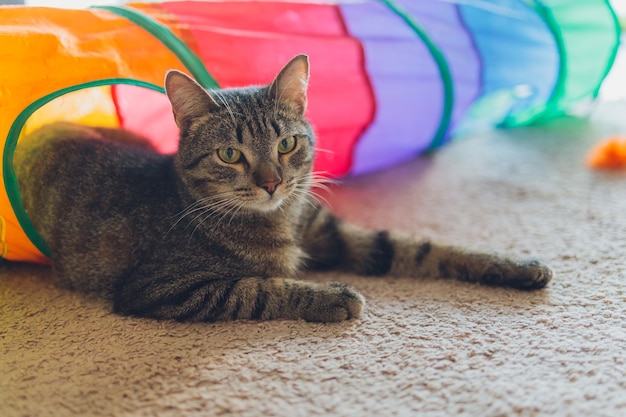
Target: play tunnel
(389, 79)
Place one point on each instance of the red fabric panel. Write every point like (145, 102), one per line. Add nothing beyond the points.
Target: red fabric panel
(245, 43)
(147, 113)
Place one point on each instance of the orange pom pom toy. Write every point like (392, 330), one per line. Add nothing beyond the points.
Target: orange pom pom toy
(608, 154)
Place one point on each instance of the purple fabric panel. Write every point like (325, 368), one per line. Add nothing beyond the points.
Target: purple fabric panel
(405, 81)
(443, 24)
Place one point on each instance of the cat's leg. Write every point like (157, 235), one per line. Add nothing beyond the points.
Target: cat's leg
(233, 299)
(335, 244)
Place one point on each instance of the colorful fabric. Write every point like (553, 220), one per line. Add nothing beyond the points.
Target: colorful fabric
(389, 79)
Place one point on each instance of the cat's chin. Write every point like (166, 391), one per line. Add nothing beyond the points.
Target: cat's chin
(268, 205)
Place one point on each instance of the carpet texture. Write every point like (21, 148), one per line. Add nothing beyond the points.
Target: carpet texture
(422, 347)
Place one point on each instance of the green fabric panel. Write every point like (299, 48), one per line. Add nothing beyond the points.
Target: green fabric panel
(8, 171)
(588, 34)
(191, 61)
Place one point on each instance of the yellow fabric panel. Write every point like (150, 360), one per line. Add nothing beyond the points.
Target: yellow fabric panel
(91, 106)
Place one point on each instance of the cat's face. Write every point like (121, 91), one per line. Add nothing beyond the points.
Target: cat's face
(244, 149)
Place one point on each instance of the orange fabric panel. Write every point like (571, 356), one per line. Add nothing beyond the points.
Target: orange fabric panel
(44, 50)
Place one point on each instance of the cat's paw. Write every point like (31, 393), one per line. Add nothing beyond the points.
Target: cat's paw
(333, 302)
(526, 275)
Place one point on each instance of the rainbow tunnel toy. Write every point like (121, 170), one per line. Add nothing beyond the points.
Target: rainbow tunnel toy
(389, 79)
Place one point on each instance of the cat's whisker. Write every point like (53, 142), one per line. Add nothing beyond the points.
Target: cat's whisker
(203, 215)
(184, 214)
(233, 205)
(220, 206)
(322, 183)
(302, 195)
(203, 201)
(320, 198)
(240, 206)
(315, 181)
(198, 205)
(323, 177)
(306, 186)
(305, 200)
(232, 210)
(212, 207)
(320, 186)
(300, 185)
(328, 151)
(225, 208)
(324, 174)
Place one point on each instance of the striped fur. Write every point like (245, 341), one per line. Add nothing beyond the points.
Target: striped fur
(222, 229)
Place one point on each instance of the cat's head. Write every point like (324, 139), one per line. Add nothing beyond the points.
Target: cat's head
(244, 148)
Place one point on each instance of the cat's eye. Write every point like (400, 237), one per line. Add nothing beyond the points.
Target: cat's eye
(287, 144)
(229, 155)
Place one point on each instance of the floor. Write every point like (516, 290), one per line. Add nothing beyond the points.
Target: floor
(426, 347)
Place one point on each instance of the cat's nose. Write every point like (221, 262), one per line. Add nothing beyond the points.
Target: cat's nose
(268, 177)
(270, 186)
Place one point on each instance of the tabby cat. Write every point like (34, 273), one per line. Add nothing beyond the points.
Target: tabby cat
(221, 229)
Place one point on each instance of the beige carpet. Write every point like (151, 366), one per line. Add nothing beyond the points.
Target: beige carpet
(422, 348)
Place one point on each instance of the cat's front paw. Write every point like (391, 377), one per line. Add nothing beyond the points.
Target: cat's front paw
(333, 302)
(526, 275)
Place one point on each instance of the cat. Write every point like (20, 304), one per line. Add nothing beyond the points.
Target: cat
(221, 229)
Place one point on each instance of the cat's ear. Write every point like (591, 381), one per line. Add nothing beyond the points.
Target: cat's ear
(291, 83)
(189, 100)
